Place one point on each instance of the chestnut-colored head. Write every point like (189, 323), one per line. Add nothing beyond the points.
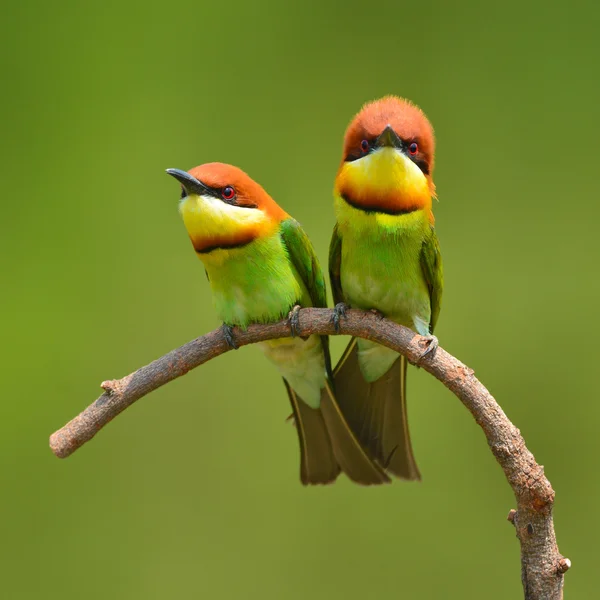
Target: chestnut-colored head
(388, 158)
(223, 207)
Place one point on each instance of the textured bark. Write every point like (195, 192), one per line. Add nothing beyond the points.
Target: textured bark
(542, 566)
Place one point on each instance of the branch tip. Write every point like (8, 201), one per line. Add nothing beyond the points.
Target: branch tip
(512, 513)
(564, 564)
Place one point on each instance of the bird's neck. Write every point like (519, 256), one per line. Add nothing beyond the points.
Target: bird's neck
(359, 222)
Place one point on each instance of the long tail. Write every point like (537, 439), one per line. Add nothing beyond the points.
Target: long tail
(376, 412)
(327, 444)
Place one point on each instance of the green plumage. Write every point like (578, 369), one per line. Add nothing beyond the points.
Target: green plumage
(304, 260)
(431, 264)
(256, 283)
(391, 264)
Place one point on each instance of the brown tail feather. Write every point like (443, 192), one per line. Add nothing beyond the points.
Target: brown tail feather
(376, 412)
(351, 456)
(317, 461)
(327, 444)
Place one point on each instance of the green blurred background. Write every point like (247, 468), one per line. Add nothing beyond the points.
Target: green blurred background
(194, 491)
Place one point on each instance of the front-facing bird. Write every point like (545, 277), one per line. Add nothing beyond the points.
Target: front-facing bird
(260, 265)
(384, 256)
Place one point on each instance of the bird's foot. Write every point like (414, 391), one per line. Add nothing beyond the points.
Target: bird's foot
(339, 310)
(431, 346)
(228, 335)
(294, 320)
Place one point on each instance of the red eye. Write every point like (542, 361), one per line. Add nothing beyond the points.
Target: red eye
(364, 146)
(413, 148)
(228, 193)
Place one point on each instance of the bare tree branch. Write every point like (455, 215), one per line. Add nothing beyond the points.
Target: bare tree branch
(542, 566)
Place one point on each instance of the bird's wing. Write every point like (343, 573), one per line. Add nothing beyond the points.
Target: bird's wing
(431, 263)
(335, 262)
(304, 259)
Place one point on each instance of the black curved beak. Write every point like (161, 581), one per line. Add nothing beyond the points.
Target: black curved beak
(189, 182)
(388, 137)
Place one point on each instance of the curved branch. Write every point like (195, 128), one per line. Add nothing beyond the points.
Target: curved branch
(542, 564)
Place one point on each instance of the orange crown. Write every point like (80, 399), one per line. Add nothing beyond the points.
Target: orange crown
(406, 119)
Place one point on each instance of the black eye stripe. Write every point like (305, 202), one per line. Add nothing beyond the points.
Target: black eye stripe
(360, 151)
(417, 158)
(224, 195)
(422, 164)
(352, 157)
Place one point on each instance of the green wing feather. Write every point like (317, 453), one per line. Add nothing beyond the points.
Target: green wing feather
(335, 265)
(431, 263)
(304, 259)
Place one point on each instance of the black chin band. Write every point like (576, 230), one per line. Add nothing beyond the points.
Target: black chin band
(210, 249)
(380, 209)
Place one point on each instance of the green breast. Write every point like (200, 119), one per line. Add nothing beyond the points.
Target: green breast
(381, 269)
(253, 284)
(381, 266)
(257, 283)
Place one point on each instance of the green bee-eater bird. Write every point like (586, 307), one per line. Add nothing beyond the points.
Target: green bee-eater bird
(261, 265)
(384, 256)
